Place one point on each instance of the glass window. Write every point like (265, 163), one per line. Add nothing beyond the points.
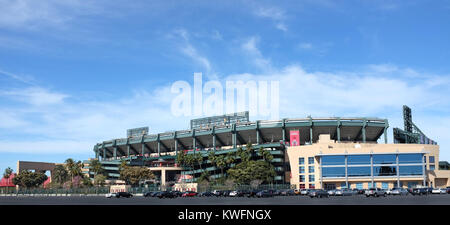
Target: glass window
(385, 171)
(384, 185)
(333, 160)
(385, 159)
(359, 186)
(311, 169)
(359, 171)
(409, 158)
(431, 159)
(432, 167)
(312, 186)
(301, 169)
(311, 160)
(333, 171)
(312, 178)
(301, 161)
(343, 185)
(302, 178)
(358, 159)
(411, 170)
(302, 186)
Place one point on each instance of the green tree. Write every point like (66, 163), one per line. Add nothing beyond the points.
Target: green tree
(99, 180)
(74, 168)
(230, 158)
(246, 172)
(212, 159)
(8, 172)
(60, 175)
(96, 167)
(133, 175)
(29, 179)
(221, 163)
(265, 154)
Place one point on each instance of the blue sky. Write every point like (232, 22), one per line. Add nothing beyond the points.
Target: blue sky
(74, 73)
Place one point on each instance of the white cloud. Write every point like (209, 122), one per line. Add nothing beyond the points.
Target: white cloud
(35, 96)
(276, 14)
(257, 58)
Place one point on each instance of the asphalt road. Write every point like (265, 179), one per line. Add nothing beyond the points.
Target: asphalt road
(279, 200)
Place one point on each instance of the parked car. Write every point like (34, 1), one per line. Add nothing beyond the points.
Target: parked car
(264, 194)
(253, 193)
(304, 192)
(419, 191)
(439, 191)
(217, 193)
(319, 194)
(361, 191)
(389, 191)
(206, 194)
(148, 194)
(331, 192)
(276, 192)
(297, 192)
(111, 195)
(343, 192)
(188, 194)
(448, 190)
(124, 195)
(399, 191)
(233, 194)
(287, 192)
(375, 192)
(166, 194)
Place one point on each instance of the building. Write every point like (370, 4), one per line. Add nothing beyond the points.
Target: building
(329, 164)
(159, 151)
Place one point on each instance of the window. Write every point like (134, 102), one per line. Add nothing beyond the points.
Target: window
(301, 169)
(343, 185)
(333, 160)
(312, 178)
(302, 178)
(311, 169)
(302, 186)
(431, 159)
(359, 186)
(411, 170)
(432, 167)
(333, 171)
(384, 185)
(385, 171)
(385, 159)
(312, 186)
(301, 161)
(409, 158)
(311, 160)
(358, 160)
(359, 171)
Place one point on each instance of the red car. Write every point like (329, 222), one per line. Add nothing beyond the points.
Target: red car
(189, 194)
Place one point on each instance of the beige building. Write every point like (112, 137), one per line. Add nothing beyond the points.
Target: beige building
(330, 165)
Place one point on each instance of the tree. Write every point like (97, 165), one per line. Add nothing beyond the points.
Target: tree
(230, 159)
(8, 172)
(60, 175)
(29, 179)
(133, 175)
(74, 168)
(221, 163)
(96, 167)
(267, 157)
(212, 159)
(99, 180)
(246, 172)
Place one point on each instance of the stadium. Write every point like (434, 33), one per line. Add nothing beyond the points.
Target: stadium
(295, 144)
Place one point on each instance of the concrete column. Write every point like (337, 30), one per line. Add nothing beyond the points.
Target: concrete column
(321, 175)
(128, 151)
(104, 154)
(284, 131)
(424, 171)
(163, 177)
(386, 126)
(398, 171)
(311, 134)
(176, 147)
(371, 168)
(338, 131)
(115, 153)
(143, 149)
(364, 131)
(346, 170)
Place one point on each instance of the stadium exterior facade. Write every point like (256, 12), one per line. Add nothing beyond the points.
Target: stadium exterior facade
(158, 151)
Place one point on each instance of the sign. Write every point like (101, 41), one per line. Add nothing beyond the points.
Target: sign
(295, 138)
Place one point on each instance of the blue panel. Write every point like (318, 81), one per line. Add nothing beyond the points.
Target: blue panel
(358, 171)
(409, 158)
(385, 171)
(358, 159)
(333, 171)
(385, 159)
(411, 170)
(359, 186)
(333, 160)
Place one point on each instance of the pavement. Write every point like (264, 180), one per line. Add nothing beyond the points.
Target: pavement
(443, 199)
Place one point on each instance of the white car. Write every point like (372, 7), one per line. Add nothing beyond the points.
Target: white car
(389, 191)
(233, 194)
(439, 191)
(111, 195)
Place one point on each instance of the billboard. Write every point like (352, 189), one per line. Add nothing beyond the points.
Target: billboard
(295, 138)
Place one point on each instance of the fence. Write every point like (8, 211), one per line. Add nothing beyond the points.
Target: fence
(44, 191)
(245, 187)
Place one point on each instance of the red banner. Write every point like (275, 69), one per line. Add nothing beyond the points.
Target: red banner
(295, 138)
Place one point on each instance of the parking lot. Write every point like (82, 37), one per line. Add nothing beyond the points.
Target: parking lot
(443, 199)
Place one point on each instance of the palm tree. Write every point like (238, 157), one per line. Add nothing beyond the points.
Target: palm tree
(265, 155)
(230, 159)
(74, 168)
(70, 164)
(60, 174)
(221, 163)
(8, 172)
(212, 158)
(250, 150)
(96, 167)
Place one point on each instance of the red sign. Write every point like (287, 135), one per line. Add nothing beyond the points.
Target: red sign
(295, 138)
